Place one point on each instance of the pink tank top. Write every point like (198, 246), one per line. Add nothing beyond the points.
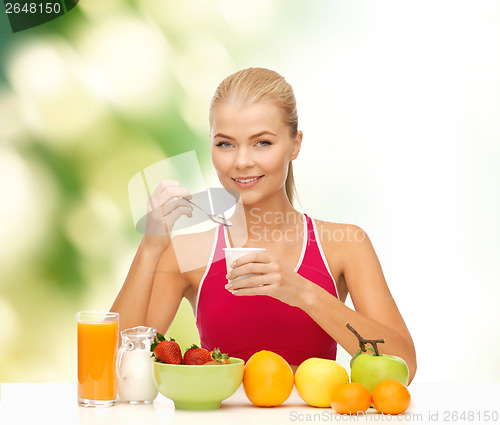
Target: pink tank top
(241, 326)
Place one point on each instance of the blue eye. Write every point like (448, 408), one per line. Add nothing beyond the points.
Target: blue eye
(224, 144)
(264, 143)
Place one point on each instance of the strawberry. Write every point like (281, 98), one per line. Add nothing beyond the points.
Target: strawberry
(221, 358)
(213, 362)
(195, 355)
(166, 350)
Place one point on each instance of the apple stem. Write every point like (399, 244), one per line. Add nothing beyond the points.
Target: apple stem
(363, 341)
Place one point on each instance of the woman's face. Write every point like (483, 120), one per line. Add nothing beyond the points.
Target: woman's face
(251, 148)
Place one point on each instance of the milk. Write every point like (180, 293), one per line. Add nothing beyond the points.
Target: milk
(136, 383)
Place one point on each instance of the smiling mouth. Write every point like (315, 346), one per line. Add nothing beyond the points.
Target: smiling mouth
(246, 180)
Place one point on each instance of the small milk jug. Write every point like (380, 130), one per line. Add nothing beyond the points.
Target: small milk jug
(134, 367)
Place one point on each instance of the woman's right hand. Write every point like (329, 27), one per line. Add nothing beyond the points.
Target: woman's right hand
(165, 206)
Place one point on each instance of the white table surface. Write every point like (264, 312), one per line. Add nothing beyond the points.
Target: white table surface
(55, 403)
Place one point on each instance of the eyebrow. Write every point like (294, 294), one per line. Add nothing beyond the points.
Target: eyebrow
(251, 137)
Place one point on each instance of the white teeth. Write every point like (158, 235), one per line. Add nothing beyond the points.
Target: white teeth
(246, 180)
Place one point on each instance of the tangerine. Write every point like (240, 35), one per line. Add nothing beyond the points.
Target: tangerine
(391, 397)
(351, 398)
(267, 379)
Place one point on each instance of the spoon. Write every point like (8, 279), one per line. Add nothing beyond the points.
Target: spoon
(215, 218)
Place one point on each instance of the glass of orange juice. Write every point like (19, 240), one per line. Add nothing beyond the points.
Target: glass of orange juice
(97, 348)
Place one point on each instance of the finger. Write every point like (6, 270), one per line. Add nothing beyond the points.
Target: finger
(161, 187)
(181, 210)
(255, 268)
(263, 289)
(169, 194)
(166, 190)
(165, 184)
(175, 214)
(249, 282)
(254, 257)
(158, 222)
(176, 203)
(159, 199)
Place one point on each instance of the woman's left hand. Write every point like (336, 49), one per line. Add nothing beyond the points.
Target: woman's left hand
(269, 278)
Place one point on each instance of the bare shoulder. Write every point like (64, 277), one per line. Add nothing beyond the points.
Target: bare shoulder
(341, 240)
(183, 263)
(337, 235)
(199, 242)
(192, 251)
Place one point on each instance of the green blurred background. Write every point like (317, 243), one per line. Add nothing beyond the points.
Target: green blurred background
(398, 103)
(87, 101)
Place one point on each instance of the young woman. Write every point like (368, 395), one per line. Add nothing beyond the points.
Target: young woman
(293, 301)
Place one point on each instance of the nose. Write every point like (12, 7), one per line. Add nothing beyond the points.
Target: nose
(243, 159)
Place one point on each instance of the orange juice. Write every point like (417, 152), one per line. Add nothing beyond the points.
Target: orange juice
(97, 344)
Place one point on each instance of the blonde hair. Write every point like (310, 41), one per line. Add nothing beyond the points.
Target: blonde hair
(254, 85)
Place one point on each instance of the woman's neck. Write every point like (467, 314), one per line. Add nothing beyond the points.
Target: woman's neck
(251, 222)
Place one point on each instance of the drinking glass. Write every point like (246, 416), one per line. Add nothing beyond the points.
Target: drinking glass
(97, 347)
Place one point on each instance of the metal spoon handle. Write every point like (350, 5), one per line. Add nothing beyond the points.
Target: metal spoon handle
(192, 203)
(215, 218)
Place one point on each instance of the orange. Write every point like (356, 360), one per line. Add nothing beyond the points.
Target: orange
(391, 397)
(351, 398)
(267, 379)
(315, 380)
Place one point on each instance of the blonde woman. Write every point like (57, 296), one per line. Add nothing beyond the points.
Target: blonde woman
(293, 301)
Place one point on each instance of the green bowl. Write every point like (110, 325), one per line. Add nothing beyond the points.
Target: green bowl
(198, 387)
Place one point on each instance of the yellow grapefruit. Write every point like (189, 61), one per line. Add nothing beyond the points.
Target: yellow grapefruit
(316, 379)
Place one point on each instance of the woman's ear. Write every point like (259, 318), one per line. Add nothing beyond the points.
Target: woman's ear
(296, 146)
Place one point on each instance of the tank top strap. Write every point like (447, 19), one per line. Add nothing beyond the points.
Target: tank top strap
(314, 257)
(220, 244)
(311, 244)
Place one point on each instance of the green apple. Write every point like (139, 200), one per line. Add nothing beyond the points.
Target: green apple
(369, 368)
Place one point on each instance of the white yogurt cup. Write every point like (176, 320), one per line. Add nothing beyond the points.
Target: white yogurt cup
(232, 254)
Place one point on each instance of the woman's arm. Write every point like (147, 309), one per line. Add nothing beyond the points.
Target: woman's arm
(165, 206)
(169, 287)
(177, 276)
(376, 314)
(132, 301)
(153, 290)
